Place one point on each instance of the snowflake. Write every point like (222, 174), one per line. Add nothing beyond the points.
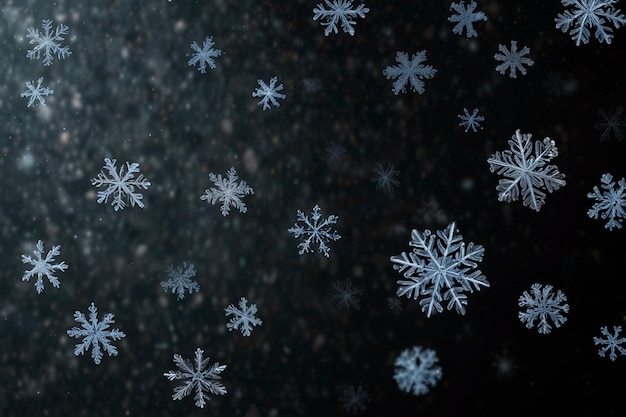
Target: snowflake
(513, 60)
(43, 267)
(243, 317)
(526, 170)
(36, 92)
(120, 185)
(590, 13)
(440, 263)
(417, 370)
(334, 154)
(339, 11)
(412, 71)
(542, 305)
(197, 377)
(470, 121)
(180, 280)
(314, 231)
(465, 17)
(554, 84)
(385, 178)
(612, 124)
(269, 93)
(394, 304)
(611, 202)
(311, 85)
(345, 295)
(610, 342)
(354, 399)
(205, 55)
(94, 334)
(48, 42)
(228, 191)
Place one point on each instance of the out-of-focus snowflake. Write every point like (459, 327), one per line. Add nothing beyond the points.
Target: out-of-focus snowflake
(611, 202)
(513, 60)
(204, 56)
(48, 42)
(385, 177)
(417, 370)
(543, 305)
(36, 92)
(554, 84)
(611, 124)
(228, 191)
(394, 304)
(339, 11)
(334, 154)
(470, 121)
(354, 399)
(180, 280)
(269, 93)
(313, 231)
(311, 85)
(43, 267)
(346, 296)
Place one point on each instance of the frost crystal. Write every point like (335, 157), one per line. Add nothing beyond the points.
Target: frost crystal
(314, 231)
(417, 370)
(611, 202)
(385, 178)
(541, 304)
(94, 334)
(409, 71)
(180, 280)
(465, 17)
(120, 185)
(228, 191)
(513, 60)
(36, 92)
(523, 169)
(339, 11)
(589, 13)
(354, 399)
(243, 317)
(43, 267)
(610, 342)
(205, 55)
(440, 267)
(49, 43)
(470, 121)
(346, 296)
(269, 93)
(197, 378)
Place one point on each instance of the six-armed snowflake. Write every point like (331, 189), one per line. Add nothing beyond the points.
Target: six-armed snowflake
(313, 231)
(228, 191)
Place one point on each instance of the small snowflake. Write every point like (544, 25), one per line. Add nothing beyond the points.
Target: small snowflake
(120, 185)
(513, 60)
(417, 370)
(43, 267)
(470, 121)
(346, 296)
(314, 231)
(610, 342)
(554, 84)
(49, 43)
(180, 280)
(354, 399)
(229, 192)
(204, 56)
(339, 11)
(412, 71)
(542, 304)
(36, 92)
(394, 304)
(465, 17)
(334, 154)
(611, 202)
(243, 317)
(269, 93)
(197, 377)
(311, 85)
(385, 178)
(94, 334)
(612, 124)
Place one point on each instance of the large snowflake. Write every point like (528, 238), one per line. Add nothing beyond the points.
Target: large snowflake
(440, 268)
(339, 11)
(513, 60)
(120, 184)
(228, 191)
(48, 42)
(585, 14)
(527, 170)
(314, 231)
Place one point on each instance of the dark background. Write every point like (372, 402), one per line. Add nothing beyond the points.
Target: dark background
(126, 92)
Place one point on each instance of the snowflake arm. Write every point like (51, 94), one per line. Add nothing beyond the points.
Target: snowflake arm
(197, 377)
(412, 71)
(48, 42)
(470, 121)
(269, 93)
(313, 231)
(94, 334)
(523, 169)
(465, 17)
(36, 92)
(610, 202)
(180, 280)
(543, 305)
(243, 317)
(417, 370)
(204, 56)
(228, 191)
(339, 11)
(440, 268)
(611, 343)
(120, 185)
(585, 14)
(513, 60)
(43, 267)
